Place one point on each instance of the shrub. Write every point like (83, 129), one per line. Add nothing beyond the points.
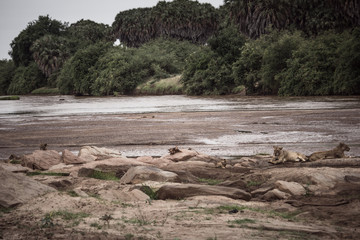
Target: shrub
(26, 79)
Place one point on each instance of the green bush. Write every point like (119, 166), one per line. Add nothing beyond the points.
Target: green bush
(7, 69)
(209, 70)
(26, 79)
(311, 69)
(75, 76)
(347, 71)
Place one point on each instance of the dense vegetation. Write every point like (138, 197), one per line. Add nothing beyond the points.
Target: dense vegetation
(301, 47)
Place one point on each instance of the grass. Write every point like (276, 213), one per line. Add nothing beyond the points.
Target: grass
(238, 89)
(168, 86)
(104, 175)
(46, 174)
(10, 98)
(253, 183)
(149, 191)
(67, 216)
(46, 91)
(73, 218)
(209, 181)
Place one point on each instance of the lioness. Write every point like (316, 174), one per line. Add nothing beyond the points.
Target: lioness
(337, 152)
(281, 156)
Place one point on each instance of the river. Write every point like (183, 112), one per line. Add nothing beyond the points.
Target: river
(19, 118)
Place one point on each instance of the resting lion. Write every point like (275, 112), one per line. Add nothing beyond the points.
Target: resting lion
(281, 156)
(337, 152)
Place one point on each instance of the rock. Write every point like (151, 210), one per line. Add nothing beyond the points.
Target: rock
(70, 158)
(119, 166)
(275, 194)
(294, 188)
(80, 192)
(191, 155)
(191, 190)
(240, 184)
(92, 153)
(182, 155)
(17, 189)
(42, 160)
(60, 184)
(260, 191)
(147, 173)
(124, 195)
(15, 168)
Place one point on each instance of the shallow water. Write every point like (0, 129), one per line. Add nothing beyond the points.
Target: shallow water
(70, 105)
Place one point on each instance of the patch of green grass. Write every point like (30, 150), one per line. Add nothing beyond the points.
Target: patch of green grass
(129, 236)
(96, 225)
(149, 191)
(253, 183)
(209, 181)
(5, 210)
(46, 91)
(10, 98)
(46, 174)
(67, 216)
(164, 86)
(104, 175)
(238, 89)
(72, 193)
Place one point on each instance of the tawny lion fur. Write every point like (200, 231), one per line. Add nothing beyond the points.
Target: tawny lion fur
(281, 156)
(337, 152)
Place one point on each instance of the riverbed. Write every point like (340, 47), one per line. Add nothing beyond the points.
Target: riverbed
(227, 126)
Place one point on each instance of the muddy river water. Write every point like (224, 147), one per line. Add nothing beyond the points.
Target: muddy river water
(149, 125)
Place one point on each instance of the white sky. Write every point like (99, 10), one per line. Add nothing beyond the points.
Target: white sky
(16, 14)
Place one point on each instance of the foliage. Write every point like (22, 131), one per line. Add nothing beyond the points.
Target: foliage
(311, 69)
(274, 59)
(209, 70)
(347, 71)
(10, 98)
(121, 70)
(26, 79)
(21, 53)
(75, 75)
(86, 32)
(179, 19)
(50, 52)
(7, 69)
(170, 86)
(104, 175)
(255, 17)
(46, 91)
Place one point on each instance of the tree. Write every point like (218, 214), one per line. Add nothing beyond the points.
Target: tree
(21, 46)
(50, 52)
(179, 19)
(7, 69)
(26, 79)
(75, 75)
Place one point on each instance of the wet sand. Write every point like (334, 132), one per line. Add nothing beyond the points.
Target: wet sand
(223, 133)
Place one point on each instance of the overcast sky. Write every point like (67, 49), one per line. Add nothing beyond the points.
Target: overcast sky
(16, 14)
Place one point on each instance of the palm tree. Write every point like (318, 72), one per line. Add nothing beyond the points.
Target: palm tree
(50, 52)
